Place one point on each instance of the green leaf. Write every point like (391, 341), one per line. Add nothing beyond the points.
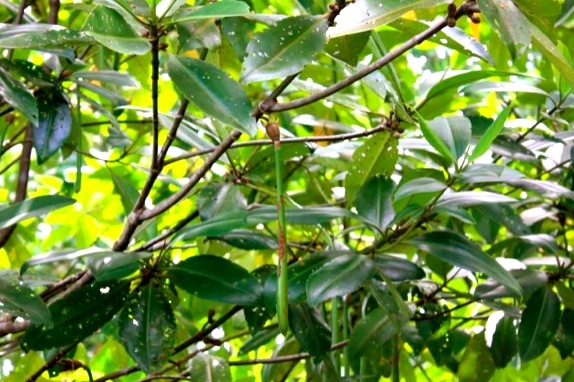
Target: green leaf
(530, 281)
(504, 342)
(472, 198)
(376, 156)
(371, 333)
(204, 367)
(434, 138)
(54, 124)
(305, 215)
(20, 300)
(110, 28)
(419, 186)
(544, 187)
(210, 89)
(128, 193)
(219, 10)
(77, 315)
(397, 269)
(454, 132)
(284, 49)
(344, 274)
(310, 330)
(373, 201)
(215, 278)
(115, 265)
(274, 372)
(476, 364)
(390, 300)
(506, 19)
(106, 77)
(32, 207)
(488, 137)
(348, 48)
(249, 240)
(40, 36)
(217, 198)
(539, 324)
(147, 327)
(17, 95)
(488, 173)
(453, 83)
(364, 15)
(458, 250)
(564, 341)
(214, 227)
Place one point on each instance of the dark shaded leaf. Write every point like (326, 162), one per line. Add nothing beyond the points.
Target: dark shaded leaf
(458, 250)
(504, 342)
(454, 132)
(215, 278)
(564, 341)
(419, 186)
(280, 371)
(348, 48)
(373, 201)
(344, 274)
(310, 330)
(20, 300)
(147, 327)
(16, 94)
(539, 324)
(110, 28)
(305, 215)
(211, 89)
(54, 124)
(530, 280)
(77, 315)
(259, 339)
(33, 207)
(371, 333)
(249, 240)
(128, 193)
(398, 269)
(284, 49)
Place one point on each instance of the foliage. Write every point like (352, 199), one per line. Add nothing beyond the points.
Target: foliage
(420, 201)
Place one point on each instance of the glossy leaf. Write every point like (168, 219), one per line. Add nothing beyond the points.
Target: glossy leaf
(109, 28)
(105, 76)
(509, 22)
(504, 342)
(488, 137)
(147, 327)
(215, 278)
(529, 280)
(217, 198)
(545, 188)
(539, 324)
(115, 265)
(54, 124)
(390, 300)
(33, 207)
(284, 49)
(398, 269)
(373, 201)
(454, 132)
(77, 316)
(16, 94)
(205, 367)
(376, 156)
(306, 215)
(364, 15)
(344, 274)
(419, 186)
(214, 227)
(249, 240)
(348, 48)
(476, 364)
(40, 36)
(371, 333)
(472, 198)
(310, 330)
(219, 10)
(434, 138)
(488, 173)
(458, 250)
(564, 341)
(20, 300)
(210, 89)
(280, 371)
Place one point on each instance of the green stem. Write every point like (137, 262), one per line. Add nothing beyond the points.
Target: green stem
(396, 355)
(282, 281)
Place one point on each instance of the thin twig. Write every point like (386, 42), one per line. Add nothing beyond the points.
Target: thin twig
(284, 358)
(51, 362)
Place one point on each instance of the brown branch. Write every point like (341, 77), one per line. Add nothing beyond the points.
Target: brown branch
(51, 362)
(285, 141)
(284, 358)
(466, 8)
(153, 244)
(23, 176)
(54, 10)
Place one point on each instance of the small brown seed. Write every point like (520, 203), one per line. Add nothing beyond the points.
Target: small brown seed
(272, 130)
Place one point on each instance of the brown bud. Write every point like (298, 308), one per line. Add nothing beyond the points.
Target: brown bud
(10, 117)
(145, 34)
(162, 45)
(272, 130)
(475, 18)
(451, 22)
(451, 9)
